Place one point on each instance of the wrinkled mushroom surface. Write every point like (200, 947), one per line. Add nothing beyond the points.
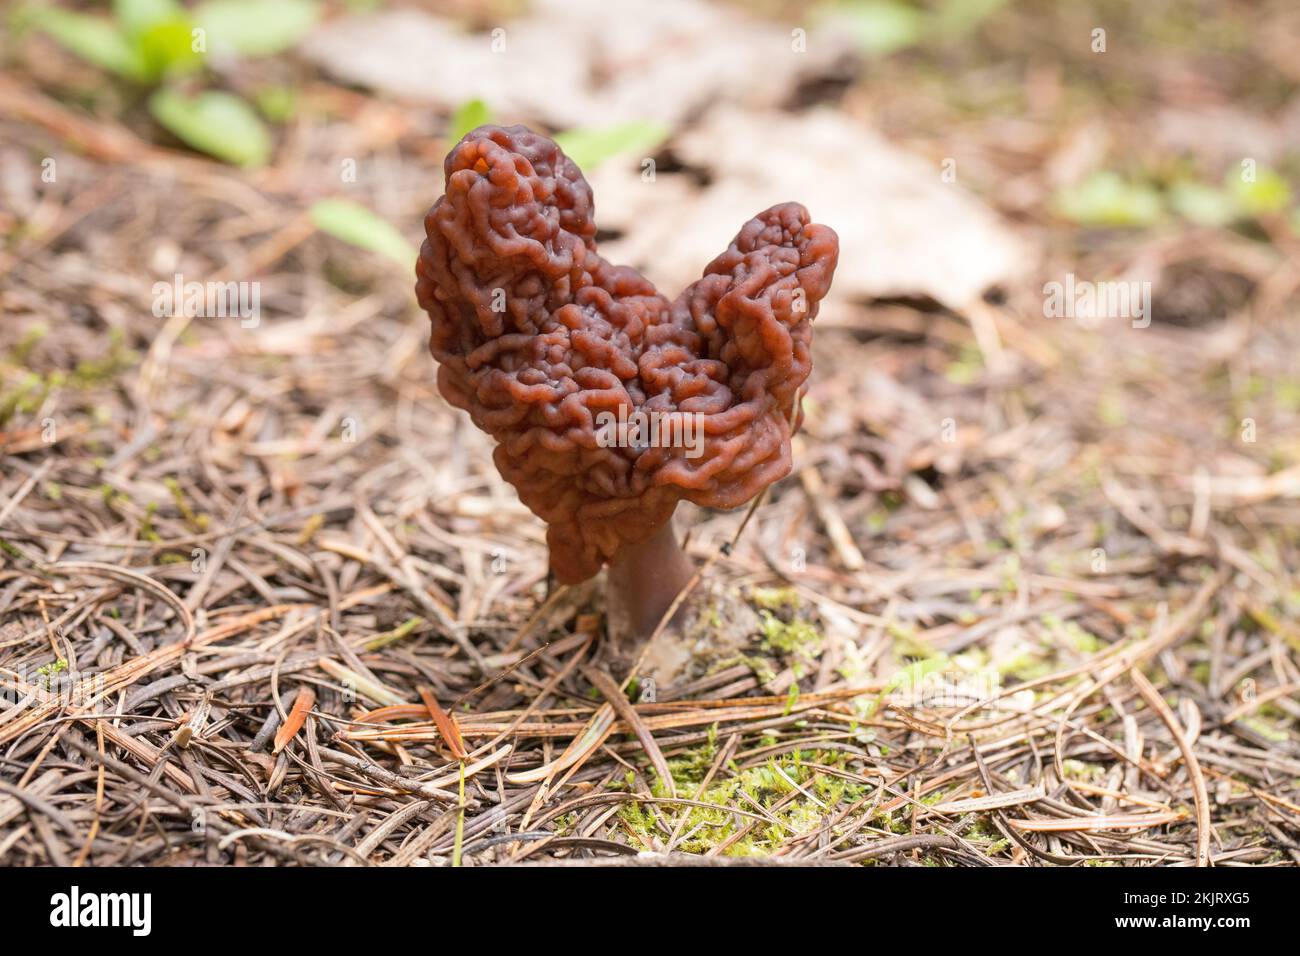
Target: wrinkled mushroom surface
(536, 335)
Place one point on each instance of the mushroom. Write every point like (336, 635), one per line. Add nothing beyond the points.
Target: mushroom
(609, 403)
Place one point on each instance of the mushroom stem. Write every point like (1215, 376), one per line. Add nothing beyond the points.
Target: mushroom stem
(642, 581)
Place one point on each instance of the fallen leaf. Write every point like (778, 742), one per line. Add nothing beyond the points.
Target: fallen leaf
(905, 231)
(569, 63)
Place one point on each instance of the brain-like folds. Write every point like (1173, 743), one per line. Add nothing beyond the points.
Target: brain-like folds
(546, 345)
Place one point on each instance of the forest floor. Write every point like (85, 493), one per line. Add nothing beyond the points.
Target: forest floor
(1029, 596)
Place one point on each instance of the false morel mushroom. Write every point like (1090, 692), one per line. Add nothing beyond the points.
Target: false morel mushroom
(609, 403)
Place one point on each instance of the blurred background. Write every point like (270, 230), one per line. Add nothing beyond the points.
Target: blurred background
(1056, 399)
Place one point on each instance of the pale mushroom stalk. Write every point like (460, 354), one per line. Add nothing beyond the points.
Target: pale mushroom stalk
(643, 580)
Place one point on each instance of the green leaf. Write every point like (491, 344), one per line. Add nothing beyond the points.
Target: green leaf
(256, 27)
(279, 104)
(881, 27)
(1204, 205)
(469, 115)
(137, 16)
(958, 17)
(1269, 193)
(589, 147)
(94, 39)
(167, 48)
(216, 123)
(1106, 199)
(358, 226)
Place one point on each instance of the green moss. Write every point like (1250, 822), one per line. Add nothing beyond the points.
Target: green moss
(895, 821)
(906, 643)
(199, 522)
(111, 495)
(25, 397)
(1023, 663)
(689, 768)
(32, 388)
(639, 822)
(91, 373)
(1011, 574)
(966, 370)
(1071, 633)
(147, 532)
(1111, 411)
(704, 828)
(22, 351)
(773, 599)
(46, 672)
(1287, 394)
(1083, 772)
(761, 666)
(797, 638)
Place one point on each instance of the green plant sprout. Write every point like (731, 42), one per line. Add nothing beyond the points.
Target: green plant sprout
(163, 47)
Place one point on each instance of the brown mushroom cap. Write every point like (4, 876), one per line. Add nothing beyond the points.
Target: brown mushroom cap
(536, 336)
